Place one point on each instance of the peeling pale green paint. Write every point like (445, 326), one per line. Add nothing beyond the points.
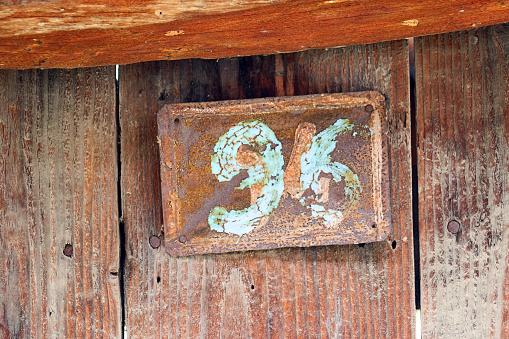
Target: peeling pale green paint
(318, 160)
(268, 172)
(330, 216)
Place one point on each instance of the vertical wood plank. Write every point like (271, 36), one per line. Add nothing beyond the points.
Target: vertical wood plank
(347, 291)
(58, 187)
(462, 88)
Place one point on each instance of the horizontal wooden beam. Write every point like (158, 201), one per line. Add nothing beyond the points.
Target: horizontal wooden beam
(68, 34)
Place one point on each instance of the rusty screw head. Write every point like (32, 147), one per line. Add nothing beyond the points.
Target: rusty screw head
(182, 239)
(369, 108)
(68, 250)
(453, 226)
(154, 241)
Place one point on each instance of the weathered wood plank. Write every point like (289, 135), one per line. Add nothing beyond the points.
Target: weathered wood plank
(71, 34)
(463, 115)
(58, 187)
(349, 291)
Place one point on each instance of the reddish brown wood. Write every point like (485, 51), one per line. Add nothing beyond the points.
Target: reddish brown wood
(58, 189)
(82, 33)
(332, 291)
(463, 133)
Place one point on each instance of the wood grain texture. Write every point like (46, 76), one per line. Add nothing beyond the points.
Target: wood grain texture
(70, 34)
(58, 186)
(463, 133)
(336, 291)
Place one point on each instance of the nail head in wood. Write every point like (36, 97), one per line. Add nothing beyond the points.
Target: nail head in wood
(453, 226)
(154, 241)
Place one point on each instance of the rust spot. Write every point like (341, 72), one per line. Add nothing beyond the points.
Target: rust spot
(303, 137)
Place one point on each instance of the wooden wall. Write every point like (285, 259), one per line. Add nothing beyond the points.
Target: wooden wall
(77, 170)
(463, 131)
(58, 187)
(346, 291)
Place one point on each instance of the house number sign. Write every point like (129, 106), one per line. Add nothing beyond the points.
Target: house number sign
(276, 172)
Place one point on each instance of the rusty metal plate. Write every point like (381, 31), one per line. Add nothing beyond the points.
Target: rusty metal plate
(276, 172)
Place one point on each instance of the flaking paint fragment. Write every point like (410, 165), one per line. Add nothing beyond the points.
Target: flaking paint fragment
(317, 161)
(267, 172)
